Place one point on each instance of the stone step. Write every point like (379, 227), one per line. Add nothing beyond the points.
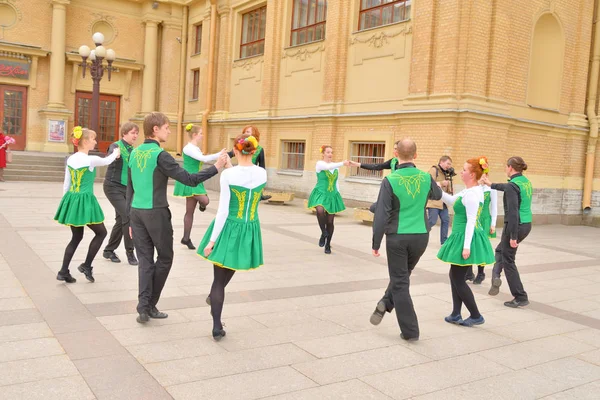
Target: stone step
(29, 172)
(32, 178)
(47, 161)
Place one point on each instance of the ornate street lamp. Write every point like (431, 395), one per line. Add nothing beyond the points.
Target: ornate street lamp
(97, 71)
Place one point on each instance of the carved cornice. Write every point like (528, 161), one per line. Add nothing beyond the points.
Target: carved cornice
(380, 39)
(303, 53)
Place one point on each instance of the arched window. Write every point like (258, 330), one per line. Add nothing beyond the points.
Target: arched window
(546, 64)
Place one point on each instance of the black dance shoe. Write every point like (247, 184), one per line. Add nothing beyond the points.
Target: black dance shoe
(514, 303)
(263, 197)
(327, 249)
(378, 314)
(111, 255)
(67, 277)
(409, 339)
(155, 314)
(478, 279)
(469, 276)
(142, 318)
(189, 244)
(322, 239)
(218, 334)
(87, 271)
(202, 208)
(131, 258)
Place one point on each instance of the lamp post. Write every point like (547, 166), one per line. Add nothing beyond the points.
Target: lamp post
(97, 71)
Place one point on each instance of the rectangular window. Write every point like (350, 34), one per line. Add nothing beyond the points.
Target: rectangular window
(198, 39)
(374, 13)
(367, 153)
(308, 21)
(196, 84)
(292, 155)
(253, 33)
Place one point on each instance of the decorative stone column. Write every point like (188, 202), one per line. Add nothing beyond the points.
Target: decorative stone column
(150, 66)
(55, 110)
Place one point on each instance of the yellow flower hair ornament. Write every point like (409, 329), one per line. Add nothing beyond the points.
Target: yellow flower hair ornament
(189, 127)
(484, 165)
(77, 132)
(322, 149)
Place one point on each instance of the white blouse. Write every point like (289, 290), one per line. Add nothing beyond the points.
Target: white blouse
(80, 160)
(246, 177)
(191, 150)
(471, 199)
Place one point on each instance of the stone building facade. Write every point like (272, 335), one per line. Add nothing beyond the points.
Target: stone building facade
(462, 78)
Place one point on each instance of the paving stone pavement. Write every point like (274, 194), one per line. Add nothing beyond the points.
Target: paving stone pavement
(297, 328)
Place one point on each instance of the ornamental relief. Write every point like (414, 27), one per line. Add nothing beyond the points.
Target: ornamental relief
(250, 69)
(306, 58)
(381, 44)
(380, 39)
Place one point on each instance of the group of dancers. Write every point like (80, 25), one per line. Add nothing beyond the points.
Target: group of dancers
(136, 186)
(401, 213)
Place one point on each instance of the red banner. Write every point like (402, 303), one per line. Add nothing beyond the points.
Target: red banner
(12, 69)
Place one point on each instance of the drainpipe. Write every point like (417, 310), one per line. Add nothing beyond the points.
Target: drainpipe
(182, 73)
(590, 157)
(211, 73)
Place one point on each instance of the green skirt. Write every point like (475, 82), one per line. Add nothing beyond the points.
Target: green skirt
(486, 223)
(238, 247)
(481, 249)
(331, 201)
(182, 190)
(79, 209)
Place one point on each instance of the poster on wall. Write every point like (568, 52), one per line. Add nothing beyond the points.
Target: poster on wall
(56, 131)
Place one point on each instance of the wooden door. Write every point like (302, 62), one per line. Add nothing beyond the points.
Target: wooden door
(108, 120)
(13, 114)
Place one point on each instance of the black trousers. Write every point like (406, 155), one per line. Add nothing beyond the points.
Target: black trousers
(117, 194)
(403, 253)
(152, 229)
(505, 260)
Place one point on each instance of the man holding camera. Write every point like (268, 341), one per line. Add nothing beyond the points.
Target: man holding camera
(443, 173)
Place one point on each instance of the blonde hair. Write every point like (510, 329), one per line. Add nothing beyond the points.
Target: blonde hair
(79, 134)
(193, 129)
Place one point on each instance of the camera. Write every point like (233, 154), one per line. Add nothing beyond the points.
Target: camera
(450, 172)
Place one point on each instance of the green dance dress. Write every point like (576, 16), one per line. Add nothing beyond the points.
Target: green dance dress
(191, 165)
(326, 193)
(238, 246)
(79, 206)
(481, 249)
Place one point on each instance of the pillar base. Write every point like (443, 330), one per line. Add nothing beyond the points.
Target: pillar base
(57, 132)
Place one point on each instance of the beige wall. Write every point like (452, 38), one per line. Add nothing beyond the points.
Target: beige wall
(461, 78)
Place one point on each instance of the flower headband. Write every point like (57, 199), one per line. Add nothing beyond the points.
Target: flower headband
(322, 149)
(484, 165)
(189, 127)
(240, 144)
(77, 133)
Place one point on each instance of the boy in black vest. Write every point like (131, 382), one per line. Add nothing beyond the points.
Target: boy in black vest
(150, 167)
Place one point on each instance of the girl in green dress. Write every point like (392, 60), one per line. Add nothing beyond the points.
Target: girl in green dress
(325, 197)
(79, 207)
(233, 241)
(193, 159)
(467, 245)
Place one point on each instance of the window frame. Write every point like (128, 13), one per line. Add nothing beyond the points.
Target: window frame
(195, 84)
(284, 163)
(358, 173)
(198, 39)
(258, 10)
(308, 27)
(362, 11)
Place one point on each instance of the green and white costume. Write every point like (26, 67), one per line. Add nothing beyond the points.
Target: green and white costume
(326, 192)
(236, 228)
(79, 206)
(193, 159)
